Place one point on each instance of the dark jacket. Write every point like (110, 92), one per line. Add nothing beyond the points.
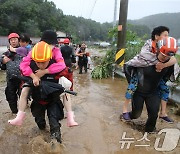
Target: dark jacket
(149, 78)
(68, 55)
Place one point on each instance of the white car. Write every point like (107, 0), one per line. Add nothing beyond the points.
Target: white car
(104, 44)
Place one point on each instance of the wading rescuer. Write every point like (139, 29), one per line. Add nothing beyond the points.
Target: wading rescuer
(49, 37)
(7, 63)
(82, 58)
(147, 57)
(41, 59)
(69, 58)
(148, 81)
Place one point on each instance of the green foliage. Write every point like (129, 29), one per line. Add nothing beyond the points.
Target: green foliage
(133, 42)
(35, 16)
(140, 30)
(131, 34)
(178, 58)
(30, 16)
(86, 29)
(104, 69)
(133, 46)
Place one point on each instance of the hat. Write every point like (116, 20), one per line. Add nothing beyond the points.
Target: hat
(49, 37)
(41, 52)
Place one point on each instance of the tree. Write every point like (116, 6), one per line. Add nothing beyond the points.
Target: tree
(35, 16)
(133, 46)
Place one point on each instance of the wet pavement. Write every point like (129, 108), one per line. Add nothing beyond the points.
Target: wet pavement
(97, 108)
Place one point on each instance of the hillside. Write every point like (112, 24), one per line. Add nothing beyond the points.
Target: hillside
(35, 16)
(171, 20)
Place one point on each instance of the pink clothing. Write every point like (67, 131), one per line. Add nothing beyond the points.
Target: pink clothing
(53, 68)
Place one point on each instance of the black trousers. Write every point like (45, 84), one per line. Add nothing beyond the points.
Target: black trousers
(152, 102)
(12, 91)
(81, 65)
(54, 113)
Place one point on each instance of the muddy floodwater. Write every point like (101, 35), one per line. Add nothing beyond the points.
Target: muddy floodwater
(97, 108)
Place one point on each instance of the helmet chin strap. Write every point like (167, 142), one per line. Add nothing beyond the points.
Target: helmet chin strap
(160, 60)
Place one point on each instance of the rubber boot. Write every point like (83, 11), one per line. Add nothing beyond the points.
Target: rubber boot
(70, 119)
(18, 120)
(56, 136)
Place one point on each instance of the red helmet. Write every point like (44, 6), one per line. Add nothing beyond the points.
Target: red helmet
(13, 35)
(66, 41)
(168, 46)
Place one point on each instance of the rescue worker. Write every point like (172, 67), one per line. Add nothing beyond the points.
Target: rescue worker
(7, 62)
(147, 57)
(42, 59)
(69, 58)
(49, 37)
(82, 58)
(68, 53)
(148, 81)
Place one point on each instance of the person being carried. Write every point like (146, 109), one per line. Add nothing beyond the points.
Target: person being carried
(89, 60)
(78, 47)
(147, 57)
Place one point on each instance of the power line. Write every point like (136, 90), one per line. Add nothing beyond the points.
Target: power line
(82, 2)
(92, 9)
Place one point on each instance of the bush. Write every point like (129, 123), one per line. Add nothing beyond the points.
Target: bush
(133, 46)
(104, 68)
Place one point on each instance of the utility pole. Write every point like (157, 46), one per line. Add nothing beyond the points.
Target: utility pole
(121, 32)
(115, 13)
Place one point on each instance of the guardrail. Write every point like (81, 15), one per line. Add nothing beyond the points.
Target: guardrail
(174, 94)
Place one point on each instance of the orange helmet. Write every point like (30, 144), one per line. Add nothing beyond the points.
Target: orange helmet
(168, 46)
(13, 35)
(41, 52)
(66, 41)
